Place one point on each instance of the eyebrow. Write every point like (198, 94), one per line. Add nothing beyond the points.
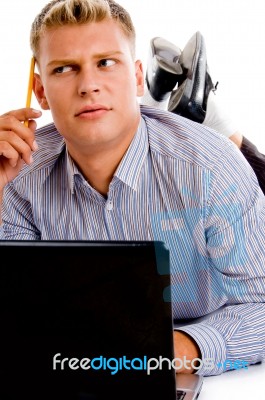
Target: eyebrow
(65, 61)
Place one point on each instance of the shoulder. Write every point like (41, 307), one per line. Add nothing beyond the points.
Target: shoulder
(184, 140)
(48, 137)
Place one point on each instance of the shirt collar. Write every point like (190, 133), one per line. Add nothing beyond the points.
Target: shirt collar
(72, 170)
(131, 164)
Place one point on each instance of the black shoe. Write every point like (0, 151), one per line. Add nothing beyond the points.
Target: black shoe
(190, 97)
(163, 68)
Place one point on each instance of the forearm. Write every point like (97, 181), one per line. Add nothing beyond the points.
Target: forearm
(235, 259)
(17, 218)
(222, 338)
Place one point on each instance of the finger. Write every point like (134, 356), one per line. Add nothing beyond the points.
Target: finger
(14, 147)
(32, 127)
(23, 114)
(10, 125)
(12, 156)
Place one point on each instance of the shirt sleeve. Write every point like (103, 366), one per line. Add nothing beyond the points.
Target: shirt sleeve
(235, 244)
(2, 233)
(230, 339)
(18, 221)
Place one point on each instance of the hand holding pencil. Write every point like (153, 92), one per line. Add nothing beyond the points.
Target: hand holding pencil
(17, 137)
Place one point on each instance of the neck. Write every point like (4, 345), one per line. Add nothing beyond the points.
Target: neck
(98, 159)
(100, 173)
(98, 168)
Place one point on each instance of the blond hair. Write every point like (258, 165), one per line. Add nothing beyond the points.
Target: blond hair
(71, 12)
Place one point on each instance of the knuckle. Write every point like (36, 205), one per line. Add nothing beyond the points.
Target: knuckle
(7, 136)
(4, 146)
(9, 120)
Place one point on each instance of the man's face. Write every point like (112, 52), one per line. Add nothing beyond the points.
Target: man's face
(90, 82)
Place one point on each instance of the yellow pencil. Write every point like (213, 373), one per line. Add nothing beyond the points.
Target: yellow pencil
(30, 85)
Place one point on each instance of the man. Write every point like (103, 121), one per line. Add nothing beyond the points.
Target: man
(109, 170)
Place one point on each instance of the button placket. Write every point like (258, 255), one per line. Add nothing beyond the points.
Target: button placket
(109, 205)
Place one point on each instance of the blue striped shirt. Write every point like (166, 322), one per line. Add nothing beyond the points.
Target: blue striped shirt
(179, 182)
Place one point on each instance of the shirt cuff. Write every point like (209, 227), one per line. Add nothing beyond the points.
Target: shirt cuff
(212, 346)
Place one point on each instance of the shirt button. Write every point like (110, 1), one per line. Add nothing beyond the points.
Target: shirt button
(109, 206)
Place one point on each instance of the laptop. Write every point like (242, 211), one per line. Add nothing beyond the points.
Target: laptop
(88, 321)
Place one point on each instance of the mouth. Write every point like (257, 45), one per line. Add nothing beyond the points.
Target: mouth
(92, 111)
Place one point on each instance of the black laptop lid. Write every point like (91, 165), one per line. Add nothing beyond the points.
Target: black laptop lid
(65, 305)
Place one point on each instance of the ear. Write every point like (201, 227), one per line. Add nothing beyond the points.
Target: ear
(139, 74)
(39, 92)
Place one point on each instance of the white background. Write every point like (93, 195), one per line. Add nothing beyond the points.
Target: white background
(242, 384)
(234, 31)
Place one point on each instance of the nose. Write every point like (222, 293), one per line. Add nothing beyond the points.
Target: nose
(88, 82)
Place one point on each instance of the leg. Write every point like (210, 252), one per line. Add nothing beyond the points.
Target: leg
(180, 82)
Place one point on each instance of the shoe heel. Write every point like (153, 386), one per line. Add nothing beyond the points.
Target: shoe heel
(163, 68)
(189, 99)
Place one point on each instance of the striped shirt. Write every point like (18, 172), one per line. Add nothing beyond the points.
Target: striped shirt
(255, 159)
(178, 182)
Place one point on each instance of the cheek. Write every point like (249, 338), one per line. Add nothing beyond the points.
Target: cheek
(57, 94)
(128, 87)
(57, 101)
(59, 110)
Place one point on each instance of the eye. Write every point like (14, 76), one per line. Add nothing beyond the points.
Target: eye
(63, 69)
(106, 62)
